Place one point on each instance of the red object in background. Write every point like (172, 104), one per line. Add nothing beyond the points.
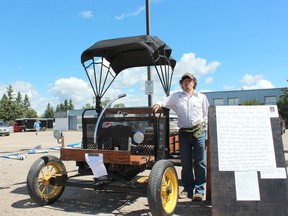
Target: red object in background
(16, 127)
(27, 124)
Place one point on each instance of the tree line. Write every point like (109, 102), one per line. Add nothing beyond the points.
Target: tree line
(15, 105)
(283, 105)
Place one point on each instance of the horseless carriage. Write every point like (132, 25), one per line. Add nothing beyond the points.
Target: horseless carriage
(123, 141)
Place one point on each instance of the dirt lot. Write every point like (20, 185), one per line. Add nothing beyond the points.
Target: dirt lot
(74, 201)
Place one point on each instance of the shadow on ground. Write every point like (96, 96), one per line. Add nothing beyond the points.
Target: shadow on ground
(87, 201)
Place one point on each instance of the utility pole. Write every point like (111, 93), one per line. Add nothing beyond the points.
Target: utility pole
(148, 33)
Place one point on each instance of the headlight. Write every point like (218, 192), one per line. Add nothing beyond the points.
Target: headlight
(138, 137)
(57, 134)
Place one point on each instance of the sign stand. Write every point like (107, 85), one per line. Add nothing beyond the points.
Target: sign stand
(246, 178)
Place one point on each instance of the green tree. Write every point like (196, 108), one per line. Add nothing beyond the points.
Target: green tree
(4, 107)
(19, 99)
(105, 102)
(57, 108)
(108, 100)
(66, 105)
(70, 105)
(26, 102)
(88, 106)
(251, 102)
(31, 113)
(28, 111)
(120, 105)
(10, 109)
(20, 110)
(283, 105)
(62, 107)
(49, 112)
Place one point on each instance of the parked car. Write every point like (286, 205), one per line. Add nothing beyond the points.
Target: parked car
(10, 126)
(282, 124)
(4, 129)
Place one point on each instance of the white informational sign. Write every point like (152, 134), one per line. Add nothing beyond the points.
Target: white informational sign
(95, 162)
(277, 173)
(247, 186)
(245, 146)
(245, 141)
(149, 87)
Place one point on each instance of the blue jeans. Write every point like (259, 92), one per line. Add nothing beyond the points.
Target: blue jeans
(193, 154)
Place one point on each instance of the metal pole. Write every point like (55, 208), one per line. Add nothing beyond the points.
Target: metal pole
(148, 33)
(147, 17)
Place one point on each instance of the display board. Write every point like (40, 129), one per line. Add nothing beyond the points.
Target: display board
(248, 171)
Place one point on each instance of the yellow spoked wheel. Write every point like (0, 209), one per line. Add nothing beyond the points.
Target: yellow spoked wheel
(163, 188)
(38, 185)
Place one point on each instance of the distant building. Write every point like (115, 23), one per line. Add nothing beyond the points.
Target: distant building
(72, 119)
(266, 96)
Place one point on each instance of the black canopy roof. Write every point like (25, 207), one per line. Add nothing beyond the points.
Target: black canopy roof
(135, 51)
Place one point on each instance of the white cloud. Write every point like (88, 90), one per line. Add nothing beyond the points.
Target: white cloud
(2, 89)
(156, 1)
(72, 88)
(131, 14)
(229, 88)
(197, 66)
(38, 103)
(25, 88)
(131, 77)
(119, 17)
(131, 82)
(209, 80)
(138, 11)
(255, 82)
(86, 14)
(249, 79)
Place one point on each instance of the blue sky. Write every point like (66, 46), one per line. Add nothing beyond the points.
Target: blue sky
(227, 45)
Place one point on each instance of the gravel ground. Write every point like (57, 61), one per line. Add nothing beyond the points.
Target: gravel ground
(74, 201)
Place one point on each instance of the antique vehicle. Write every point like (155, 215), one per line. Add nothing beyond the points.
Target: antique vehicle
(123, 141)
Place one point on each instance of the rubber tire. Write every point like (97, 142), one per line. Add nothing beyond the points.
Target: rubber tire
(33, 180)
(155, 188)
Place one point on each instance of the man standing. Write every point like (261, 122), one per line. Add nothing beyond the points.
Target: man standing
(36, 125)
(191, 108)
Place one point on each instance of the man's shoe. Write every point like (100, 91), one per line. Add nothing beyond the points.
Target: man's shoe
(185, 195)
(198, 197)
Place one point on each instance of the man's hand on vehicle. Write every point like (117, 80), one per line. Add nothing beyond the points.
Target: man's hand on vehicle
(155, 107)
